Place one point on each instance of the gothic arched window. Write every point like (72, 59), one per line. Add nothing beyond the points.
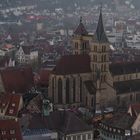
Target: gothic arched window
(60, 99)
(67, 91)
(102, 58)
(74, 85)
(80, 89)
(53, 89)
(92, 102)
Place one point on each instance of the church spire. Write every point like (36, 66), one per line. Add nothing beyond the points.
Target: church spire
(100, 34)
(81, 30)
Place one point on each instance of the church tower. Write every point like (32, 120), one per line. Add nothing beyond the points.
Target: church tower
(99, 52)
(80, 40)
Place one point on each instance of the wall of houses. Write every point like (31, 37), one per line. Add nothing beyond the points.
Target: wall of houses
(80, 136)
(126, 77)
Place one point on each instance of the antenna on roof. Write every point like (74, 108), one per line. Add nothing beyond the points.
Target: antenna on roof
(101, 5)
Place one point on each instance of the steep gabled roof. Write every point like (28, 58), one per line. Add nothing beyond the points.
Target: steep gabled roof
(81, 30)
(100, 35)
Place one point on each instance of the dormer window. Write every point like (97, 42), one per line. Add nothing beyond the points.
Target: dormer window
(11, 111)
(13, 105)
(12, 132)
(3, 132)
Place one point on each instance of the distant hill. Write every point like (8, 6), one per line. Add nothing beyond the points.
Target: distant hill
(51, 4)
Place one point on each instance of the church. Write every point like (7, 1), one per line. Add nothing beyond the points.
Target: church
(88, 77)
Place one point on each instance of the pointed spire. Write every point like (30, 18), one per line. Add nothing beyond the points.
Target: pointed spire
(100, 34)
(81, 30)
(81, 19)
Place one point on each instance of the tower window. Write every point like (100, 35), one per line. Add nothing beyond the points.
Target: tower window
(76, 45)
(104, 58)
(67, 91)
(103, 48)
(95, 48)
(60, 91)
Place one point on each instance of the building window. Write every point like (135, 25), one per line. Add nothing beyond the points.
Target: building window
(93, 67)
(118, 100)
(76, 45)
(12, 132)
(68, 138)
(60, 91)
(89, 136)
(13, 104)
(13, 139)
(74, 137)
(104, 78)
(136, 75)
(92, 102)
(86, 100)
(84, 137)
(79, 137)
(95, 48)
(80, 89)
(67, 91)
(3, 132)
(53, 89)
(11, 111)
(105, 67)
(74, 85)
(103, 48)
(104, 58)
(102, 68)
(131, 98)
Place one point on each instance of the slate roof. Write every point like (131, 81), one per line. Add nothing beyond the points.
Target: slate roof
(90, 87)
(100, 35)
(61, 121)
(124, 68)
(81, 30)
(121, 121)
(73, 64)
(127, 86)
(17, 79)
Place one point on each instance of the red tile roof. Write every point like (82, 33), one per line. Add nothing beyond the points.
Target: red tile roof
(73, 64)
(9, 126)
(18, 80)
(10, 103)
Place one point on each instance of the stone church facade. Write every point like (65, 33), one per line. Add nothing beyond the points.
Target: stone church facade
(88, 78)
